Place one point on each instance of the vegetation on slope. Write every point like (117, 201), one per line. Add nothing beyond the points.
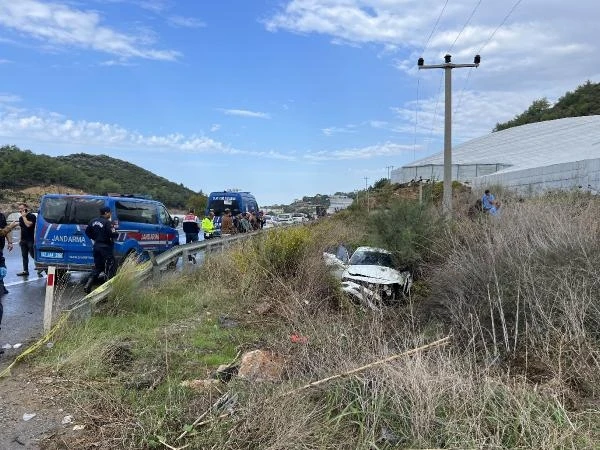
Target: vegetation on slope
(519, 296)
(95, 174)
(584, 101)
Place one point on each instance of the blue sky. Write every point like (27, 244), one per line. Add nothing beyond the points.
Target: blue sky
(283, 98)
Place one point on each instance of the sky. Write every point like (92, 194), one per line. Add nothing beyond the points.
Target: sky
(282, 98)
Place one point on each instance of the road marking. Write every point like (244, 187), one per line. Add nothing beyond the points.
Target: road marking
(16, 283)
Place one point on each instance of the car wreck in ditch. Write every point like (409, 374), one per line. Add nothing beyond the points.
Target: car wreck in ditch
(370, 275)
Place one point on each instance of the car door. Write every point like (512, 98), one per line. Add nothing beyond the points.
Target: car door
(169, 235)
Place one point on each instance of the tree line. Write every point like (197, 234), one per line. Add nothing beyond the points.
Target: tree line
(583, 101)
(94, 174)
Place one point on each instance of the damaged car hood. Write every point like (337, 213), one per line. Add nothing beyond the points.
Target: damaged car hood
(375, 274)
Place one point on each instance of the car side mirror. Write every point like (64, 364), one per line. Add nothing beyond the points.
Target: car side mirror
(175, 222)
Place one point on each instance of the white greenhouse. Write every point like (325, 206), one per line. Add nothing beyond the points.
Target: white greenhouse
(556, 154)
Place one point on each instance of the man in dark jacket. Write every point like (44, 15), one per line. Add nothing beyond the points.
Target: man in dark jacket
(27, 223)
(102, 231)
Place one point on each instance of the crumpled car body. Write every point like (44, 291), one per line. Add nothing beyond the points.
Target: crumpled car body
(370, 276)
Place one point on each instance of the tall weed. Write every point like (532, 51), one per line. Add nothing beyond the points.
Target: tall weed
(525, 286)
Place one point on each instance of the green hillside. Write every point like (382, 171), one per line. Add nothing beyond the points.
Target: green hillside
(584, 101)
(95, 174)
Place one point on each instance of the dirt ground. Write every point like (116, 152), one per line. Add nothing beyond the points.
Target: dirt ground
(23, 393)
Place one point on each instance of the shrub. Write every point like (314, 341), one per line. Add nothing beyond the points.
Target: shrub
(407, 229)
(524, 288)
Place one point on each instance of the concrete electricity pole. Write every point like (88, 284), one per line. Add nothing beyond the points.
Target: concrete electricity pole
(448, 66)
(367, 193)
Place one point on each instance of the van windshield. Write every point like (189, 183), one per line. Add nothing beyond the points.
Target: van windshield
(219, 205)
(77, 211)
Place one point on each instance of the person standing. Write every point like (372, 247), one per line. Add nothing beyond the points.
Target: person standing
(102, 231)
(227, 226)
(191, 228)
(27, 224)
(208, 226)
(5, 237)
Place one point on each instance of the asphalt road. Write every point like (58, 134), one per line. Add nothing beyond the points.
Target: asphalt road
(24, 304)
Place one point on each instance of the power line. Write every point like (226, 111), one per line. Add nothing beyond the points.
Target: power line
(416, 118)
(465, 26)
(499, 26)
(435, 26)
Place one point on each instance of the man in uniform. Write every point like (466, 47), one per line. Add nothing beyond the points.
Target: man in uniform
(191, 228)
(102, 231)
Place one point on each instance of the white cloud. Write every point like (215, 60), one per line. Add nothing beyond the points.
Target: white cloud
(185, 22)
(55, 128)
(246, 113)
(215, 127)
(386, 149)
(9, 98)
(330, 131)
(60, 25)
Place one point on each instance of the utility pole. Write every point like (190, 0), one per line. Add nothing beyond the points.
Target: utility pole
(367, 193)
(448, 66)
(388, 169)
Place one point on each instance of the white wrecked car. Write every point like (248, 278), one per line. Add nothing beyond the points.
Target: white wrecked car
(370, 275)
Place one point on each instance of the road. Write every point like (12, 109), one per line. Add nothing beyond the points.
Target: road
(24, 304)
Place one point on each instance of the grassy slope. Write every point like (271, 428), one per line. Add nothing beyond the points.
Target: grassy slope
(519, 296)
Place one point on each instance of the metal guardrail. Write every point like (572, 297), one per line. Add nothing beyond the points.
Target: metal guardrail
(153, 267)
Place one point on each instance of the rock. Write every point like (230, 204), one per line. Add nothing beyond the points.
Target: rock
(28, 416)
(260, 365)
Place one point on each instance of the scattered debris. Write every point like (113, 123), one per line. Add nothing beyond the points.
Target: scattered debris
(67, 420)
(17, 345)
(78, 427)
(298, 338)
(226, 372)
(28, 416)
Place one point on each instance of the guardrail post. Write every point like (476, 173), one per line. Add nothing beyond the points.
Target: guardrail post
(49, 300)
(155, 268)
(185, 256)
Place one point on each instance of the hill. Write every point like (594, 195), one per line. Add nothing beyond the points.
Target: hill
(94, 174)
(584, 101)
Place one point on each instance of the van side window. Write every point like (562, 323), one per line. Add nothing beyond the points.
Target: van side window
(138, 212)
(54, 210)
(83, 210)
(163, 215)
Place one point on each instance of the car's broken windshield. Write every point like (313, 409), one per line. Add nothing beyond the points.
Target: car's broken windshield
(370, 258)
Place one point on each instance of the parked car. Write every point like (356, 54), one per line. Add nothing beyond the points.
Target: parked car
(285, 219)
(299, 217)
(370, 275)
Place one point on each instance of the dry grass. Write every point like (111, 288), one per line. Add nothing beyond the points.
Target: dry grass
(519, 295)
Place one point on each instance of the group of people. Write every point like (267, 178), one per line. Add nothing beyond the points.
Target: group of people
(27, 224)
